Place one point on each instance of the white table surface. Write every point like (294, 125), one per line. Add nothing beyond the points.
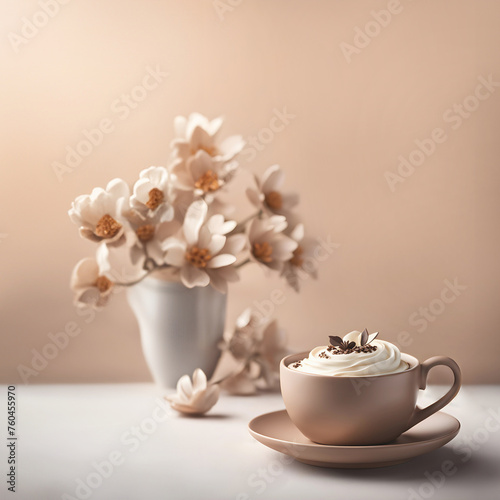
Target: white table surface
(64, 429)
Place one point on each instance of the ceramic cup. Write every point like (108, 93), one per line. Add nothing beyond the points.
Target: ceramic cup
(360, 410)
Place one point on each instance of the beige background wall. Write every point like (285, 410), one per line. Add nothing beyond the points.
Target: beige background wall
(352, 122)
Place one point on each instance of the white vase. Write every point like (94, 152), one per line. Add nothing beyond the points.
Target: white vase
(180, 327)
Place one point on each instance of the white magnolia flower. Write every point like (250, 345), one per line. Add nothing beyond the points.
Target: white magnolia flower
(203, 253)
(91, 287)
(268, 196)
(198, 133)
(100, 214)
(194, 397)
(202, 174)
(152, 193)
(151, 231)
(303, 259)
(259, 345)
(269, 246)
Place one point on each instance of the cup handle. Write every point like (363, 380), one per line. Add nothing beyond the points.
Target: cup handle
(422, 413)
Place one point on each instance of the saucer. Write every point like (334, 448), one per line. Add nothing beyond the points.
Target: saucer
(277, 431)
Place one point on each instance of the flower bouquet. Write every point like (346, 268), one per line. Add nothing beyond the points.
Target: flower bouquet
(175, 224)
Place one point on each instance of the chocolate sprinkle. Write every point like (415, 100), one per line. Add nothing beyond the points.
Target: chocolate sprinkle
(357, 349)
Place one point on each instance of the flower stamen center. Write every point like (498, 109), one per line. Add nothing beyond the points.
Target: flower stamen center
(274, 200)
(146, 232)
(297, 260)
(198, 257)
(263, 251)
(156, 198)
(107, 227)
(103, 284)
(208, 182)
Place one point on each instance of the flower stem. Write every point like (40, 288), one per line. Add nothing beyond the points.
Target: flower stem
(149, 271)
(241, 264)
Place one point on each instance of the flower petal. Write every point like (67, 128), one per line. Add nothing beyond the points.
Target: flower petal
(180, 123)
(192, 276)
(200, 164)
(195, 120)
(121, 263)
(195, 216)
(298, 232)
(88, 234)
(155, 251)
(199, 380)
(289, 200)
(212, 396)
(235, 244)
(157, 175)
(88, 297)
(182, 176)
(216, 244)
(142, 187)
(184, 388)
(283, 248)
(202, 401)
(76, 206)
(256, 197)
(175, 252)
(272, 179)
(118, 188)
(231, 146)
(221, 260)
(217, 281)
(257, 229)
(85, 273)
(182, 149)
(278, 223)
(218, 225)
(244, 318)
(213, 127)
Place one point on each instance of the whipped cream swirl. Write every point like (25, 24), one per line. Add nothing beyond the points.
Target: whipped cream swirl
(384, 360)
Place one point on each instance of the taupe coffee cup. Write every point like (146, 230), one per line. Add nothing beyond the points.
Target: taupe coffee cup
(360, 410)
